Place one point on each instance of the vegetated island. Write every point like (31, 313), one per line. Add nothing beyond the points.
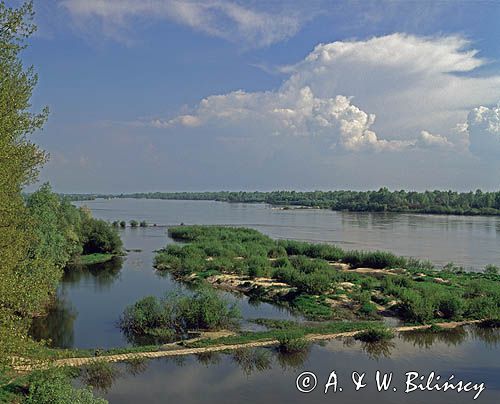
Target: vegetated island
(383, 200)
(325, 282)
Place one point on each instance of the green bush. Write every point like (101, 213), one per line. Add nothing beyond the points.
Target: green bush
(178, 313)
(134, 223)
(99, 237)
(54, 387)
(416, 308)
(452, 307)
(291, 341)
(374, 335)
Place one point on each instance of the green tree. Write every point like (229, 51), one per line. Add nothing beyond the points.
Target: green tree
(23, 289)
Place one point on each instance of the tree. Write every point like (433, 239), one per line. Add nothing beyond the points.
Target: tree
(22, 287)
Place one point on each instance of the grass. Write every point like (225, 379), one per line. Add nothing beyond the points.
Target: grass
(91, 259)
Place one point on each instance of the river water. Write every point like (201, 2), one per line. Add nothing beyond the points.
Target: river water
(90, 301)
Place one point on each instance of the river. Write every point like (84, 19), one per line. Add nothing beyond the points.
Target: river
(91, 300)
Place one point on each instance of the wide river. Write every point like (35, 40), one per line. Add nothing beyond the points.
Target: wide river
(91, 300)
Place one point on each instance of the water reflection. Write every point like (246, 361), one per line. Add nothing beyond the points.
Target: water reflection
(101, 275)
(265, 374)
(427, 338)
(57, 327)
(374, 350)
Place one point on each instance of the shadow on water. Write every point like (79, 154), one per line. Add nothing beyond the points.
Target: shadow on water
(103, 275)
(57, 326)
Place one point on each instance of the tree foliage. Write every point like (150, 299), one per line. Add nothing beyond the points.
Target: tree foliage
(23, 289)
(382, 200)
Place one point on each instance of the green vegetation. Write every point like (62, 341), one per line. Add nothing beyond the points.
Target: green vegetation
(134, 223)
(91, 259)
(491, 270)
(374, 335)
(54, 387)
(383, 200)
(177, 314)
(319, 287)
(39, 234)
(282, 330)
(292, 340)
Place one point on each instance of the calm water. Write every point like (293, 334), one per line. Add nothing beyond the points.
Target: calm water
(468, 241)
(235, 378)
(91, 300)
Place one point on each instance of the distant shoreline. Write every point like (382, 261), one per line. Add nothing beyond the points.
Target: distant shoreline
(476, 203)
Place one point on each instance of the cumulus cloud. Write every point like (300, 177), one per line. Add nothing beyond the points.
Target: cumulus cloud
(483, 127)
(293, 112)
(390, 93)
(219, 18)
(427, 139)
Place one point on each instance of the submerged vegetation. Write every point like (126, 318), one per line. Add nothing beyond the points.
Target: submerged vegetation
(383, 200)
(323, 281)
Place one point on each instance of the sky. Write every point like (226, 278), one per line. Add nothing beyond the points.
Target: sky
(173, 95)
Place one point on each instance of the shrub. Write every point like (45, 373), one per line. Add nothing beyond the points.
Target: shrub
(374, 335)
(177, 313)
(99, 237)
(143, 223)
(415, 308)
(452, 307)
(276, 251)
(491, 269)
(54, 387)
(482, 307)
(258, 266)
(313, 283)
(291, 341)
(134, 223)
(123, 224)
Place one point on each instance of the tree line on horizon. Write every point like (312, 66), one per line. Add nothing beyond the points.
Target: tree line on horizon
(383, 200)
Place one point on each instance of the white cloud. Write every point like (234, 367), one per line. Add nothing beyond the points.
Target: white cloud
(427, 139)
(219, 18)
(483, 126)
(410, 84)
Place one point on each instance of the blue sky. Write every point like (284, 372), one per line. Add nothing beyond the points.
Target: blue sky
(209, 95)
